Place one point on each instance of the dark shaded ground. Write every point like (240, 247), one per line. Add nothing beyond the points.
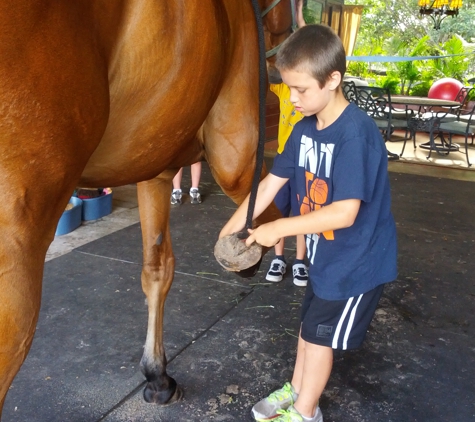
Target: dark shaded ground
(231, 341)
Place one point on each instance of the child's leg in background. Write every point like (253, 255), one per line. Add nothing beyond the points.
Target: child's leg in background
(177, 179)
(195, 175)
(278, 265)
(176, 193)
(299, 269)
(301, 246)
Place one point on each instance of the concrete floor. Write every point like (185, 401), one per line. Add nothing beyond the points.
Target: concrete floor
(231, 341)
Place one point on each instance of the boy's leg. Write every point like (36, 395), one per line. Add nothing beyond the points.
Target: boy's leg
(311, 374)
(327, 325)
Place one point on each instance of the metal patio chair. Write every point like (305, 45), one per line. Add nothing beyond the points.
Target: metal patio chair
(377, 104)
(349, 91)
(450, 114)
(464, 128)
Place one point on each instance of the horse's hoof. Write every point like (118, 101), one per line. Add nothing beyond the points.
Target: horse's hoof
(162, 397)
(233, 254)
(249, 272)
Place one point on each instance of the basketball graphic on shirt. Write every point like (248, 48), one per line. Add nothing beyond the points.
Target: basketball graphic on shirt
(305, 206)
(318, 191)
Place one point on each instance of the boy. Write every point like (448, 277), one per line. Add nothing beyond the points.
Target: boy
(338, 160)
(285, 200)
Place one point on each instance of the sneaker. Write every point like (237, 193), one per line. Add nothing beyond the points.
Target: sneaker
(176, 197)
(195, 196)
(291, 415)
(276, 271)
(268, 408)
(300, 272)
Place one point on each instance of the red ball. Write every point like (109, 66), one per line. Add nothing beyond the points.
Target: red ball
(445, 89)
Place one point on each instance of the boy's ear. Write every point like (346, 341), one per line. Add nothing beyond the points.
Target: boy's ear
(334, 80)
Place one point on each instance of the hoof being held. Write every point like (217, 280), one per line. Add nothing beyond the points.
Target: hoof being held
(232, 253)
(251, 271)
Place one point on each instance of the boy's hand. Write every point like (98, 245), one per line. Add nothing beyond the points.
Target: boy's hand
(263, 235)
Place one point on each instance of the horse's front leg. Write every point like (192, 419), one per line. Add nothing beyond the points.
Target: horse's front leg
(157, 276)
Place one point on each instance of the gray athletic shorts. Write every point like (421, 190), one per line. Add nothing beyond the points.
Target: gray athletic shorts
(339, 324)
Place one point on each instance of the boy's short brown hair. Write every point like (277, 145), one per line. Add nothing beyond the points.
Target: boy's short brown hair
(315, 49)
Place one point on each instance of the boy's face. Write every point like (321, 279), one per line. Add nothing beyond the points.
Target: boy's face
(305, 92)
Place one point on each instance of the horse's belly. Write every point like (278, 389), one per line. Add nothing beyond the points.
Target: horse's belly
(162, 87)
(121, 160)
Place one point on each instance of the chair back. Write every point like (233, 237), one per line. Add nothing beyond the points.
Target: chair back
(373, 100)
(349, 91)
(463, 97)
(468, 116)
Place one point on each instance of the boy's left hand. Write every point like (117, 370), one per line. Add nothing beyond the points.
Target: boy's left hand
(264, 235)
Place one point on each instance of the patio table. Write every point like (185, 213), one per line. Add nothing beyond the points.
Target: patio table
(424, 102)
(431, 125)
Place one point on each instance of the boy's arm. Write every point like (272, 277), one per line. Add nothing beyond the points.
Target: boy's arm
(337, 215)
(266, 193)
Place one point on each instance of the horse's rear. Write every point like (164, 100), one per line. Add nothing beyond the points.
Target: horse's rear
(50, 124)
(105, 93)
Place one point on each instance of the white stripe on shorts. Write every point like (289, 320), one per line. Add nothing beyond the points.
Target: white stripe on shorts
(349, 325)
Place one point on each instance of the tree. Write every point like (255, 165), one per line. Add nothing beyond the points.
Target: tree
(383, 20)
(394, 28)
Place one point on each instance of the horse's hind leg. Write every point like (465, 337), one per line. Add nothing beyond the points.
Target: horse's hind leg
(157, 276)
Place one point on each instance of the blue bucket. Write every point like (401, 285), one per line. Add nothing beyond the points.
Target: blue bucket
(71, 219)
(94, 208)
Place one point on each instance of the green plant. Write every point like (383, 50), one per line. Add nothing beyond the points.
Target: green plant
(409, 72)
(420, 89)
(391, 83)
(359, 69)
(455, 66)
(312, 12)
(426, 79)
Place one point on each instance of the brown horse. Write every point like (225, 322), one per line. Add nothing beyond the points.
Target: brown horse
(107, 93)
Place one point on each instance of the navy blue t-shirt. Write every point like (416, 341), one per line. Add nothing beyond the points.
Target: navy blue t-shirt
(346, 160)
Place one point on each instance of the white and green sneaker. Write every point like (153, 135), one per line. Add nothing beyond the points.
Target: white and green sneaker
(291, 415)
(267, 409)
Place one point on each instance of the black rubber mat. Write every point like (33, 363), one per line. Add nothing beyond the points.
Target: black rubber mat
(232, 341)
